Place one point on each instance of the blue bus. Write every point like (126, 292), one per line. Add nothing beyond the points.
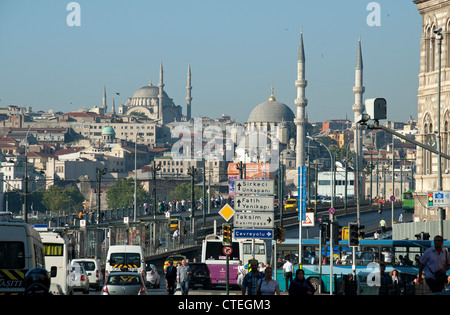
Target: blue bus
(400, 255)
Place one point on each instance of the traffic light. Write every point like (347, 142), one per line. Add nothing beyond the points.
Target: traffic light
(430, 199)
(282, 237)
(226, 229)
(276, 233)
(353, 234)
(361, 233)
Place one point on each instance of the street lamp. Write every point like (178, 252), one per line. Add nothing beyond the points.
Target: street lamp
(331, 215)
(25, 200)
(440, 37)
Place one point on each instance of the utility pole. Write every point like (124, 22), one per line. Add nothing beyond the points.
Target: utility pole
(100, 173)
(192, 171)
(155, 169)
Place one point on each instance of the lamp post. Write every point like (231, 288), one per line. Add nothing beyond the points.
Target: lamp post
(25, 199)
(440, 37)
(331, 216)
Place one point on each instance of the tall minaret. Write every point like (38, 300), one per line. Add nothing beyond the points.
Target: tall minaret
(301, 102)
(358, 108)
(104, 106)
(160, 95)
(113, 107)
(189, 97)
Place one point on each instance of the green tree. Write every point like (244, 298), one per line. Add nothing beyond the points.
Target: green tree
(183, 191)
(122, 194)
(66, 200)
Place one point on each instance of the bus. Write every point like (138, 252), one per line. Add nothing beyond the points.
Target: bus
(408, 201)
(213, 256)
(57, 257)
(20, 250)
(401, 255)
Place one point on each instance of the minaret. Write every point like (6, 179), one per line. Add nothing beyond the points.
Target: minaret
(358, 108)
(301, 102)
(189, 97)
(113, 107)
(104, 106)
(160, 95)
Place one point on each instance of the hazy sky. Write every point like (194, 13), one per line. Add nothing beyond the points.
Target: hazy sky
(237, 49)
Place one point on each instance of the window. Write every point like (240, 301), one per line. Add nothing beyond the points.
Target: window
(15, 258)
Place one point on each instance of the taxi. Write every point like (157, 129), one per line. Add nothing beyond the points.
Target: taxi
(176, 258)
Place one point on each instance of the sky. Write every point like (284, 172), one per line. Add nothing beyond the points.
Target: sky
(236, 49)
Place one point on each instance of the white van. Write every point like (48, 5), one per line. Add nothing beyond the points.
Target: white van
(125, 257)
(93, 269)
(21, 249)
(57, 256)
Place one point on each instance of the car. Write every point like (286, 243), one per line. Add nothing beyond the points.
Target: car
(200, 276)
(78, 279)
(124, 283)
(291, 205)
(177, 221)
(152, 276)
(176, 258)
(93, 269)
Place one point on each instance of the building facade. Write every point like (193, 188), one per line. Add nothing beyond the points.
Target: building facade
(435, 14)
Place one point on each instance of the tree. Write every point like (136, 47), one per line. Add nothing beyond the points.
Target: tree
(58, 199)
(121, 195)
(183, 191)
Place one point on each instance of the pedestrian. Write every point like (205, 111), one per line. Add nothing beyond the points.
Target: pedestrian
(400, 218)
(268, 286)
(240, 273)
(171, 277)
(251, 279)
(288, 268)
(396, 281)
(386, 285)
(382, 225)
(435, 261)
(300, 285)
(183, 274)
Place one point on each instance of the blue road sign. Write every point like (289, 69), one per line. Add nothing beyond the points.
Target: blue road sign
(244, 233)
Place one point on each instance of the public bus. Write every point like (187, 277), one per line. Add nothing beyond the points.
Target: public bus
(408, 201)
(58, 257)
(401, 255)
(213, 256)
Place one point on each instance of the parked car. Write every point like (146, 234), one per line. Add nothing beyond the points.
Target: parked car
(78, 278)
(200, 276)
(124, 283)
(93, 269)
(152, 276)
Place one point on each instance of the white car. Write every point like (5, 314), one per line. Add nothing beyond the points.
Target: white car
(78, 279)
(152, 277)
(93, 269)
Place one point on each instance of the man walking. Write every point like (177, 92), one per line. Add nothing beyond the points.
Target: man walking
(183, 273)
(288, 268)
(171, 277)
(252, 278)
(435, 262)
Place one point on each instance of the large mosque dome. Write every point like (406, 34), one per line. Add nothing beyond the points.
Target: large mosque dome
(146, 96)
(271, 112)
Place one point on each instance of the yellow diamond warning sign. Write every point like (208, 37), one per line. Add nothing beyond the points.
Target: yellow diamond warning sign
(227, 212)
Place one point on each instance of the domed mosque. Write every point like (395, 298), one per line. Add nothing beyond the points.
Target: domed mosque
(153, 102)
(270, 115)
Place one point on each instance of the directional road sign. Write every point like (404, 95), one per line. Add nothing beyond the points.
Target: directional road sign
(262, 234)
(254, 203)
(253, 186)
(253, 220)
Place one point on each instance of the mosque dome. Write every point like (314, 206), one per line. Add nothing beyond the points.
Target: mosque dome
(148, 91)
(108, 131)
(271, 111)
